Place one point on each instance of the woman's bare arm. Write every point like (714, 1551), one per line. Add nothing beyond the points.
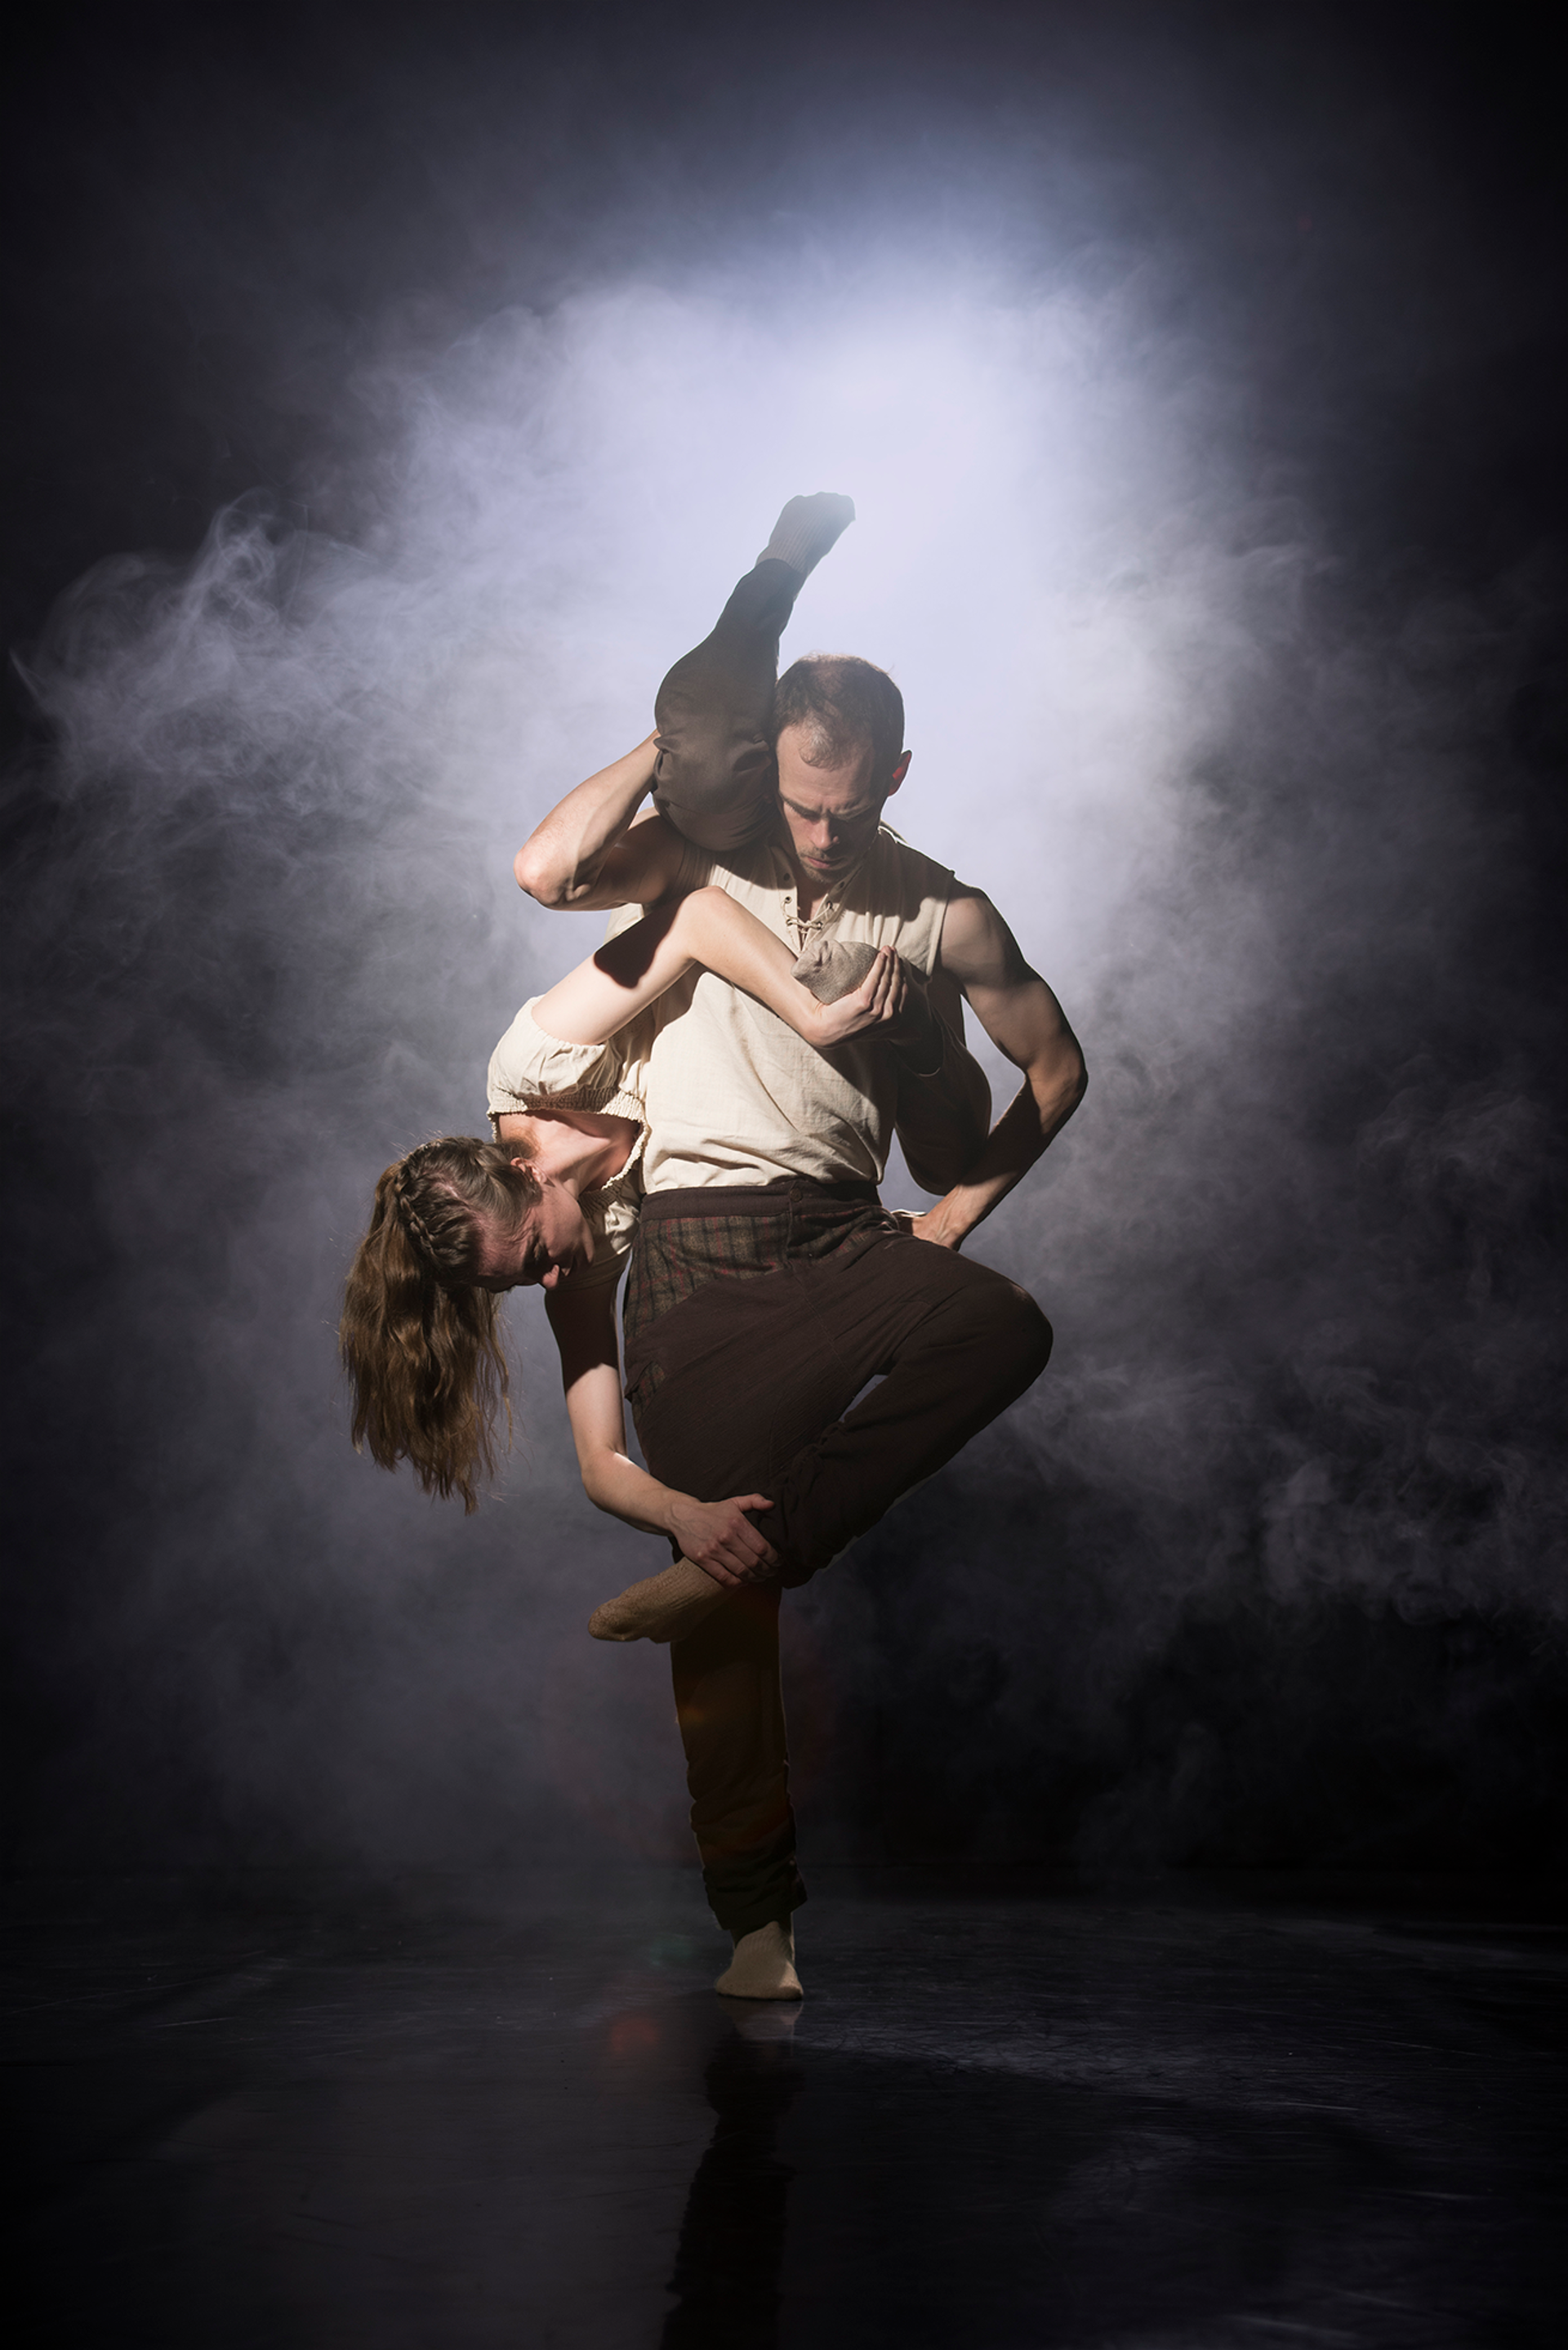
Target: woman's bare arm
(718, 1536)
(712, 931)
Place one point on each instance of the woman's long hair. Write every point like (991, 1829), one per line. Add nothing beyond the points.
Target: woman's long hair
(419, 1342)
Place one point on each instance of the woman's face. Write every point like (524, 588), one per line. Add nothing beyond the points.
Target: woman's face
(552, 1241)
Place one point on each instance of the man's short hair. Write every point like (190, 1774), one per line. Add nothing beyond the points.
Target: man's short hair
(844, 705)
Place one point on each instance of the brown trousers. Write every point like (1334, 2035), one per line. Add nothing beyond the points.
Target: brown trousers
(754, 1319)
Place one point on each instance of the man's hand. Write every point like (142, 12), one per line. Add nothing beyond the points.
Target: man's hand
(929, 1228)
(926, 1227)
(720, 1538)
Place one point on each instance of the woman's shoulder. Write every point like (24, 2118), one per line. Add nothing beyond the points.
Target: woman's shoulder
(612, 1212)
(529, 1067)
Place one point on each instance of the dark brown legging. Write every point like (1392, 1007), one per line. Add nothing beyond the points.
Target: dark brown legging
(749, 1383)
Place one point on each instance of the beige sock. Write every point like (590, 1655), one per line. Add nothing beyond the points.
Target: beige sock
(763, 1966)
(663, 1607)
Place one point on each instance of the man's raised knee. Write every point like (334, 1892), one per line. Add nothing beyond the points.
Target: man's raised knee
(1021, 1335)
(1006, 1338)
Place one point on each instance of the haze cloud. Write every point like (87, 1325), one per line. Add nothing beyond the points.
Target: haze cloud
(1241, 814)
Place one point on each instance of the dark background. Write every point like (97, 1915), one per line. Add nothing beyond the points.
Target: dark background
(1309, 1606)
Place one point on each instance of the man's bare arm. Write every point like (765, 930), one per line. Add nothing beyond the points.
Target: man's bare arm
(594, 851)
(1023, 1018)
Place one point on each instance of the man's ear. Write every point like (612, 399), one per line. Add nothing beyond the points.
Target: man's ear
(899, 772)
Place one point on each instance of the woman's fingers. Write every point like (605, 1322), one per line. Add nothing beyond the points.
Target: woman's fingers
(874, 986)
(881, 999)
(890, 987)
(735, 1549)
(745, 1549)
(766, 1551)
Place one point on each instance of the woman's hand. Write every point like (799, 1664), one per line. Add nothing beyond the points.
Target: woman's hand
(720, 1538)
(874, 1006)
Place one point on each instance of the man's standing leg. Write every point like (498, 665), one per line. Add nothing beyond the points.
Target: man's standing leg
(729, 1703)
(752, 1387)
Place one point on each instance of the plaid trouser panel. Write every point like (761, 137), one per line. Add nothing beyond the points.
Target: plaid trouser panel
(682, 1246)
(677, 1255)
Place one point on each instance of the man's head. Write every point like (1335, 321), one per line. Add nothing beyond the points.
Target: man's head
(838, 730)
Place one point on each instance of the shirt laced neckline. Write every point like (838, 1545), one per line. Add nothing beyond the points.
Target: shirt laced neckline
(831, 905)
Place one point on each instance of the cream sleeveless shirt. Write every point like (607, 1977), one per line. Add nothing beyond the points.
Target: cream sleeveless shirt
(732, 1096)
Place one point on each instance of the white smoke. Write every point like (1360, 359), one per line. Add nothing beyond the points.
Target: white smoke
(296, 772)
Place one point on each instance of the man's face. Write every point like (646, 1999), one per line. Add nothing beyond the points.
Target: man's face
(831, 813)
(552, 1240)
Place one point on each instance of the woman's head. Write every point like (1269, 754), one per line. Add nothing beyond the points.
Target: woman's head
(420, 1336)
(456, 1200)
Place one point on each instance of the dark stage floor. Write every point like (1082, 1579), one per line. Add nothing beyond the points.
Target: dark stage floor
(1211, 2112)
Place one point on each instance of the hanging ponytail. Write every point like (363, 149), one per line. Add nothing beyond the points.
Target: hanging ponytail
(419, 1342)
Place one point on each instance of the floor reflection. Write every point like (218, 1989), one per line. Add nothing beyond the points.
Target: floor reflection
(1197, 2122)
(847, 2197)
(727, 2266)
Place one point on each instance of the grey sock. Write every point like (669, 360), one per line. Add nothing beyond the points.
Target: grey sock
(807, 528)
(833, 967)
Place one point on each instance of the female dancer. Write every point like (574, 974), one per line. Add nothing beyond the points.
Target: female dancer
(553, 1201)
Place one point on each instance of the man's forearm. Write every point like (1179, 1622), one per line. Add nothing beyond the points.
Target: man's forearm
(1037, 1113)
(559, 863)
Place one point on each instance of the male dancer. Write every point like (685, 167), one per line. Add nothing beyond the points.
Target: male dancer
(767, 1285)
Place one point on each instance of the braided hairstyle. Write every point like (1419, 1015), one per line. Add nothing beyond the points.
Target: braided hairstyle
(420, 1343)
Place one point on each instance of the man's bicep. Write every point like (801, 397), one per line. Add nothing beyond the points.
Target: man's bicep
(977, 948)
(1013, 1004)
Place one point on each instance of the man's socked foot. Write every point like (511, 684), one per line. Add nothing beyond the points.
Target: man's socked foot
(763, 1966)
(807, 528)
(662, 1608)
